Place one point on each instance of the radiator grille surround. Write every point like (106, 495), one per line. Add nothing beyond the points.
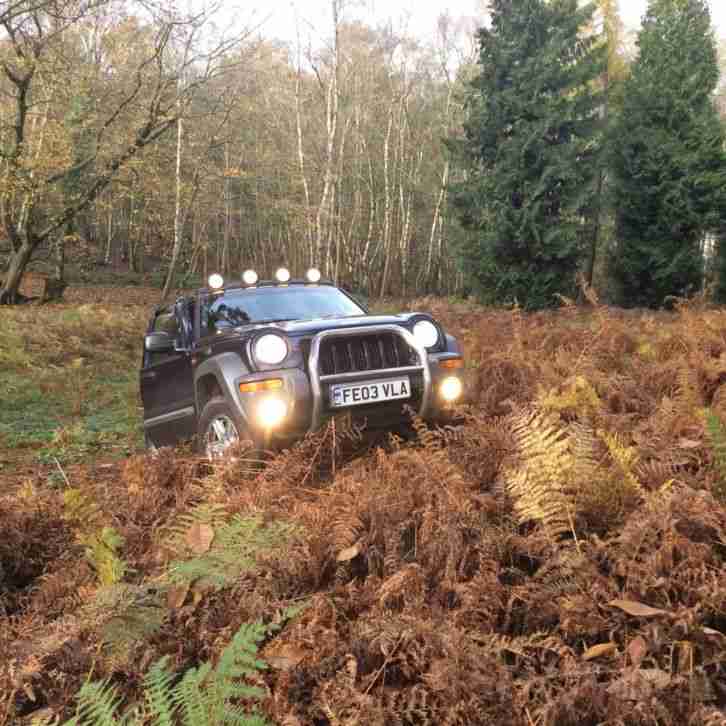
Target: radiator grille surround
(364, 353)
(357, 354)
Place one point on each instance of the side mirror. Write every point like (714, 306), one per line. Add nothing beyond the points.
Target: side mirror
(159, 343)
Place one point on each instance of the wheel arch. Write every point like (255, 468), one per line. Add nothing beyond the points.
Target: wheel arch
(216, 377)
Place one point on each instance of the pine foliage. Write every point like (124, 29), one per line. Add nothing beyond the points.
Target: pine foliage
(668, 160)
(529, 151)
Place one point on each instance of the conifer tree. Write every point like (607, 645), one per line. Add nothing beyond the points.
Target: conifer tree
(529, 150)
(668, 163)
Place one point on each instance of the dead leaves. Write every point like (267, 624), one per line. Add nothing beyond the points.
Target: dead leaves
(349, 553)
(637, 609)
(200, 537)
(599, 650)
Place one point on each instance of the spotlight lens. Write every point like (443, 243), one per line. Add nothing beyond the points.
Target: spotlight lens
(313, 275)
(283, 274)
(426, 333)
(271, 411)
(215, 281)
(451, 388)
(249, 277)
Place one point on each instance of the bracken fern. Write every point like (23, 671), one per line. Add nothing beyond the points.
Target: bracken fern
(205, 695)
(236, 541)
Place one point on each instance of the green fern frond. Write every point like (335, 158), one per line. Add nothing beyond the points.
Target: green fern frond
(101, 543)
(213, 515)
(233, 550)
(717, 438)
(102, 552)
(124, 615)
(157, 690)
(205, 696)
(98, 703)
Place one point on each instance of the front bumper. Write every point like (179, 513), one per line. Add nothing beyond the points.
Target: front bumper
(306, 393)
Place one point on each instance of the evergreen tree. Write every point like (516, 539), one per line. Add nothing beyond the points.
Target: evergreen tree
(529, 150)
(668, 164)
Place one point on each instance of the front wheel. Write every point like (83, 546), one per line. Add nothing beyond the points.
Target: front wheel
(220, 427)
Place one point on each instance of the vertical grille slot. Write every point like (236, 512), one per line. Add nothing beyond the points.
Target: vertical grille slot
(370, 352)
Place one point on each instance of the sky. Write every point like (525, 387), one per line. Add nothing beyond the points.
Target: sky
(282, 18)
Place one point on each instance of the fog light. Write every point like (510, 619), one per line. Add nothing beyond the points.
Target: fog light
(271, 411)
(451, 388)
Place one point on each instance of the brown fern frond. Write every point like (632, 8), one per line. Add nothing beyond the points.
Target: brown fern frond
(538, 485)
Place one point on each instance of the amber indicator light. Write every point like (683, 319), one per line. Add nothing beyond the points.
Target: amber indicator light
(273, 384)
(451, 363)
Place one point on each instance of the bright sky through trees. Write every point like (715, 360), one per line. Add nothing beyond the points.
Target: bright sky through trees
(419, 17)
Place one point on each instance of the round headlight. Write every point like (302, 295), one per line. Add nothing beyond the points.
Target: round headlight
(426, 333)
(270, 349)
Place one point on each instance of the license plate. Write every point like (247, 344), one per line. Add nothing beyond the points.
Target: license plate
(357, 394)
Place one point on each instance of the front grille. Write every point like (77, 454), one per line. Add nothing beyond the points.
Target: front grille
(372, 352)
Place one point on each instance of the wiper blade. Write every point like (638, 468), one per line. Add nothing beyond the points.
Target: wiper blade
(274, 320)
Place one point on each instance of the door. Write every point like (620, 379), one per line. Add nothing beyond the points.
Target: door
(167, 386)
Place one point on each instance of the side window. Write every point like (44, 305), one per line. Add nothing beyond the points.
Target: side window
(165, 322)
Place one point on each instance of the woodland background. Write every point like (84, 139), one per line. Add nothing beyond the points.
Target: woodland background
(137, 138)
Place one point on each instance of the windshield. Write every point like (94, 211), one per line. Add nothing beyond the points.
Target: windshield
(270, 304)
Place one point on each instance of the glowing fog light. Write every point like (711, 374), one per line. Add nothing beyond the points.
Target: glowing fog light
(451, 388)
(313, 275)
(215, 281)
(249, 277)
(271, 411)
(282, 275)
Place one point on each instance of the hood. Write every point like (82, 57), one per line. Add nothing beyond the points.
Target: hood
(311, 327)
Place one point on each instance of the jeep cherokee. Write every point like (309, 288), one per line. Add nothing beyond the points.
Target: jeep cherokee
(269, 361)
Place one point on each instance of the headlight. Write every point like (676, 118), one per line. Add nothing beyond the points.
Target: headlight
(270, 349)
(426, 333)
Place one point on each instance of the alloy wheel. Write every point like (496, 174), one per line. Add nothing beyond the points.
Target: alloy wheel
(220, 435)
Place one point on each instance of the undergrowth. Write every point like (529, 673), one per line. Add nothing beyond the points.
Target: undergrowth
(557, 558)
(69, 383)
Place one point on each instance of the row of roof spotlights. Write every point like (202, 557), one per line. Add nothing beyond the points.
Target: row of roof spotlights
(250, 277)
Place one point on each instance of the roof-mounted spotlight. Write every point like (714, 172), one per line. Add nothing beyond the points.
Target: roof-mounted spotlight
(313, 275)
(282, 275)
(216, 281)
(249, 277)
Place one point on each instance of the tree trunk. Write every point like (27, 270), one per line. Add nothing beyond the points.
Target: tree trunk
(18, 261)
(177, 216)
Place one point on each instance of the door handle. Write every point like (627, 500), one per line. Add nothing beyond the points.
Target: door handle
(149, 376)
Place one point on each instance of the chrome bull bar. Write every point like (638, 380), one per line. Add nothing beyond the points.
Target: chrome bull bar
(316, 380)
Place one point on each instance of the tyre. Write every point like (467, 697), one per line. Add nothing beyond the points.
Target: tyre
(220, 427)
(149, 445)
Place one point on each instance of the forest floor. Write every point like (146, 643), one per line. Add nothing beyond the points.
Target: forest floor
(556, 558)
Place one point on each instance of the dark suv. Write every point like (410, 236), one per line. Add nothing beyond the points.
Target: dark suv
(269, 361)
